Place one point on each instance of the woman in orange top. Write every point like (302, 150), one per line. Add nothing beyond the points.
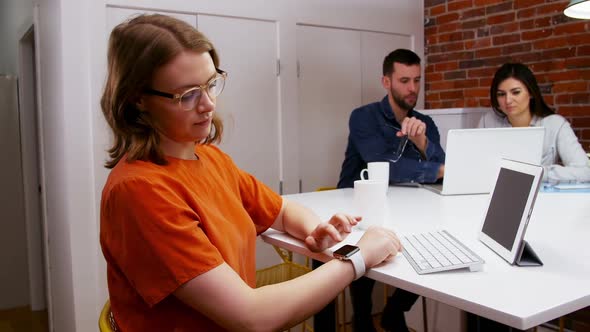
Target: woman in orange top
(178, 218)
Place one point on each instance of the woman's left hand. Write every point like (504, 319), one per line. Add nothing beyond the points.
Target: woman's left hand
(329, 233)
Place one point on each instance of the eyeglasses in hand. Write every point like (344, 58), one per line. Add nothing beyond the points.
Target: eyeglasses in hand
(401, 147)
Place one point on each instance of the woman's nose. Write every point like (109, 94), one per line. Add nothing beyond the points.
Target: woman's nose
(206, 104)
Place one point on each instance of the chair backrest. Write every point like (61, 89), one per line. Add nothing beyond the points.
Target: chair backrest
(106, 323)
(325, 188)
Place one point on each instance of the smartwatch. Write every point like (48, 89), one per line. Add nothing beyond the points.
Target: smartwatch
(352, 254)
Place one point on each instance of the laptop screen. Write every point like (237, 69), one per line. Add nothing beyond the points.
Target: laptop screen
(507, 206)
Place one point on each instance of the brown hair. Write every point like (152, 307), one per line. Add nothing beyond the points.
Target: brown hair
(401, 55)
(137, 48)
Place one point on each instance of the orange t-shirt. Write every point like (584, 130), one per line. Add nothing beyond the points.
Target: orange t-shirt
(161, 226)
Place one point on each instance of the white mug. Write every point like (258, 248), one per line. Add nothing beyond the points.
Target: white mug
(378, 170)
(369, 202)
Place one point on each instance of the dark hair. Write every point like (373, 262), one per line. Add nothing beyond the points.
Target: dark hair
(522, 73)
(136, 49)
(401, 55)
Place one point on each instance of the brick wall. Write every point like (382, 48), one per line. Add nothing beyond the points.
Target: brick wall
(467, 40)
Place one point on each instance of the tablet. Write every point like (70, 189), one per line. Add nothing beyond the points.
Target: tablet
(510, 207)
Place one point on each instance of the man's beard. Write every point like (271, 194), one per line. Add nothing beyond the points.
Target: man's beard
(399, 100)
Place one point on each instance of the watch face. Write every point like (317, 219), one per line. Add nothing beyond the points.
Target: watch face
(345, 251)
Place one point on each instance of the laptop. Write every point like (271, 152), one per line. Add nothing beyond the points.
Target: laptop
(473, 156)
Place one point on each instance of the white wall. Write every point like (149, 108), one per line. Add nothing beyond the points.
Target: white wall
(64, 50)
(72, 51)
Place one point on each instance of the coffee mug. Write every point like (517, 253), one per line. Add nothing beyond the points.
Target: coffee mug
(378, 171)
(369, 202)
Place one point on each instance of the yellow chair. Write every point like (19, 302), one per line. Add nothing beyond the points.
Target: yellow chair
(106, 321)
(284, 271)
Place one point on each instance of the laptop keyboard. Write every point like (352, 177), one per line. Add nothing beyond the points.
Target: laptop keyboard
(438, 251)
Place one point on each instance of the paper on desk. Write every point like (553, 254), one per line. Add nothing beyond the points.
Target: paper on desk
(581, 187)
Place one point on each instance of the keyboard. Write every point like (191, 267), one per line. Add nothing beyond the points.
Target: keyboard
(438, 251)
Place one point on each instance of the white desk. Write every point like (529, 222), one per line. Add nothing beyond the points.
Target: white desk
(522, 297)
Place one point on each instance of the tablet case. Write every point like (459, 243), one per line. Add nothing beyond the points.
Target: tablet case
(527, 256)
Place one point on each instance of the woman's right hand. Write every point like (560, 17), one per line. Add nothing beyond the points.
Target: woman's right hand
(377, 245)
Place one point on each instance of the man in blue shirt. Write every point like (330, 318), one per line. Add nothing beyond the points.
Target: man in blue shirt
(391, 130)
(377, 129)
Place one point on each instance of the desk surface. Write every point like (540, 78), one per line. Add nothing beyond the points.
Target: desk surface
(522, 297)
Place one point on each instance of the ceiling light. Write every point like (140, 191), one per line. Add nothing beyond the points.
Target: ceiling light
(578, 9)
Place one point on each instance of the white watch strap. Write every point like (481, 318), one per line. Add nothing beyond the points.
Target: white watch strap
(358, 262)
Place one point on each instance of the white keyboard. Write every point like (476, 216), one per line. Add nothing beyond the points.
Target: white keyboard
(438, 251)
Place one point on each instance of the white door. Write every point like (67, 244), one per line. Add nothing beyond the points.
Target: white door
(374, 47)
(119, 15)
(249, 105)
(14, 286)
(32, 170)
(329, 89)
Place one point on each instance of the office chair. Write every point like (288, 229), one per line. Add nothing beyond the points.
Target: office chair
(106, 321)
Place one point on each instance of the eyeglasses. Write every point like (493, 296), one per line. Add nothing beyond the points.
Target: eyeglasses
(401, 147)
(189, 99)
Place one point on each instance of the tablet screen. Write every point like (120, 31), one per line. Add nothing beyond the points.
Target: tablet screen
(507, 206)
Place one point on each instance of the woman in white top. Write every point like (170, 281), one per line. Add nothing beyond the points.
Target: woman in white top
(517, 102)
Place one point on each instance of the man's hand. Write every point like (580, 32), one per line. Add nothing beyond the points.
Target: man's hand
(329, 233)
(441, 172)
(416, 131)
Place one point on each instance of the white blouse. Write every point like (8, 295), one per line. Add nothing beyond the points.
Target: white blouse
(564, 158)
